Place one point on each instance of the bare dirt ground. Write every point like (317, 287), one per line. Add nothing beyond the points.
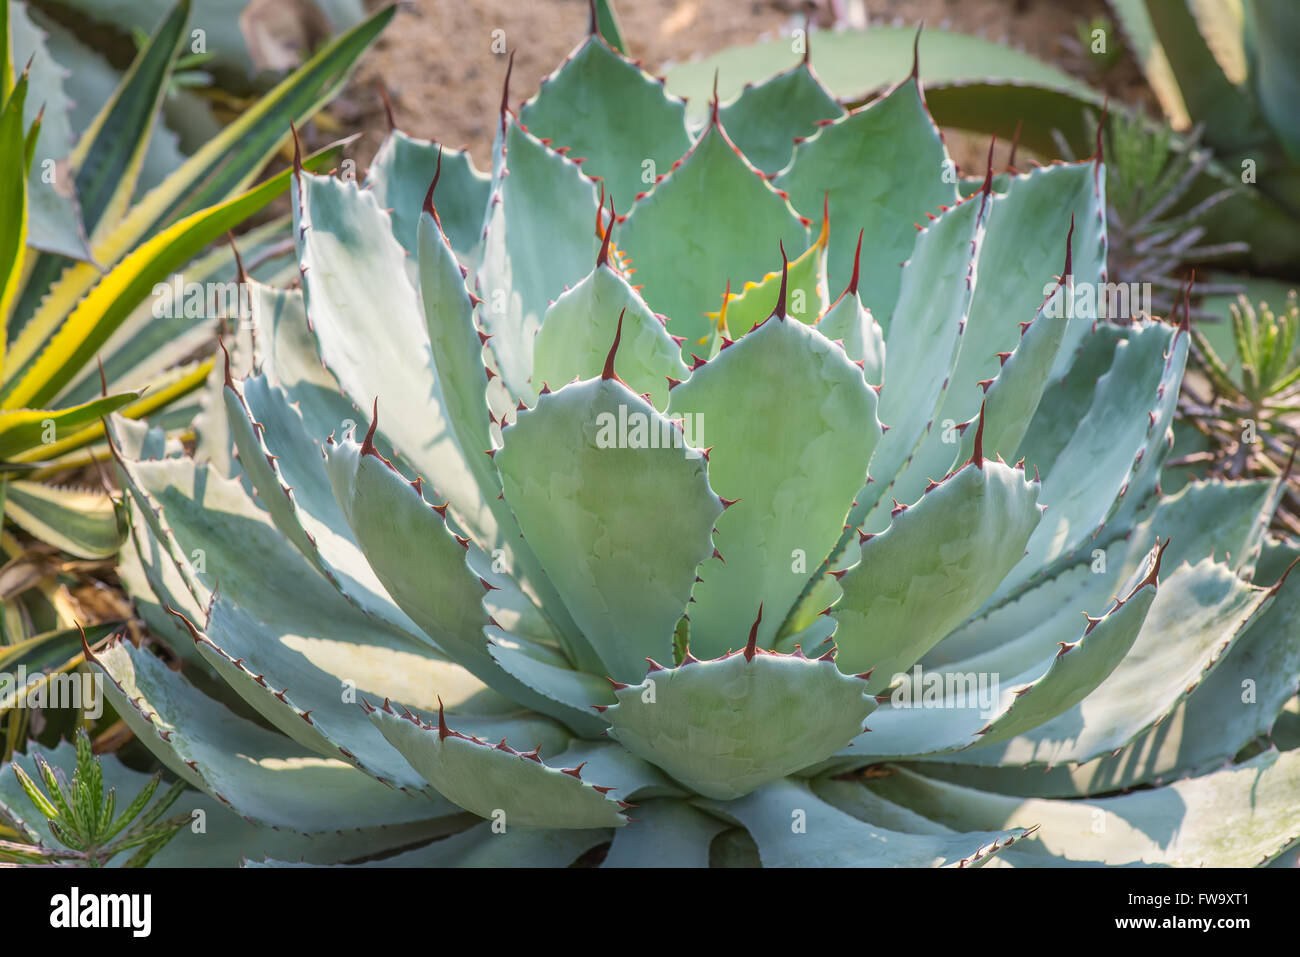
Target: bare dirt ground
(437, 62)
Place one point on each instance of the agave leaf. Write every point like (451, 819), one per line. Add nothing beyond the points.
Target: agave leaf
(971, 82)
(924, 344)
(936, 564)
(806, 294)
(145, 345)
(457, 349)
(1276, 80)
(110, 153)
(1012, 398)
(153, 582)
(623, 544)
(13, 205)
(54, 222)
(400, 175)
(1024, 700)
(288, 356)
(580, 325)
(112, 300)
(353, 274)
(210, 179)
(1229, 114)
(1104, 455)
(636, 779)
(6, 66)
(831, 838)
(1183, 824)
(604, 107)
(301, 627)
(726, 219)
(1135, 23)
(548, 673)
(1019, 258)
(768, 118)
(226, 164)
(852, 323)
(535, 190)
(792, 459)
(864, 804)
(1199, 613)
(766, 716)
(496, 781)
(51, 649)
(1235, 704)
(169, 386)
(855, 64)
(607, 26)
(24, 430)
(79, 522)
(262, 775)
(423, 565)
(850, 158)
(288, 472)
(1034, 621)
(485, 846)
(225, 836)
(666, 833)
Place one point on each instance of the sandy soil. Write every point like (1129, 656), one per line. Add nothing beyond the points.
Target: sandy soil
(437, 63)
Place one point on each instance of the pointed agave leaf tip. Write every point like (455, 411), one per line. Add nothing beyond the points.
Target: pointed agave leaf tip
(857, 261)
(388, 106)
(987, 188)
(230, 382)
(85, 645)
(103, 387)
(297, 148)
(593, 24)
(713, 104)
(368, 443)
(807, 38)
(977, 456)
(608, 372)
(505, 92)
(1069, 252)
(916, 53)
(603, 258)
(428, 197)
(751, 646)
(240, 272)
(1153, 576)
(779, 311)
(443, 730)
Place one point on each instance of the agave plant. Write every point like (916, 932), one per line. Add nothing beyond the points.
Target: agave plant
(518, 572)
(1226, 66)
(86, 251)
(80, 816)
(1245, 424)
(92, 233)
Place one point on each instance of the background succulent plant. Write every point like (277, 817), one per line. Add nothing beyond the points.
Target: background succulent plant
(84, 819)
(372, 605)
(92, 228)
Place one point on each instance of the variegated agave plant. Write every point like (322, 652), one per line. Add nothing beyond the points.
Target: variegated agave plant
(657, 619)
